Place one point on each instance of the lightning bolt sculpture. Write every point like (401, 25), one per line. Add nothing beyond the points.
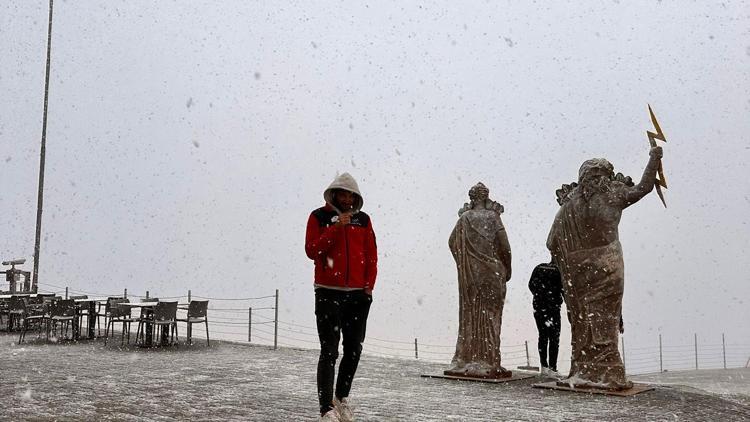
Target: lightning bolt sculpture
(661, 181)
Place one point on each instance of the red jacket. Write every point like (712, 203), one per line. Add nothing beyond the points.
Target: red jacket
(345, 256)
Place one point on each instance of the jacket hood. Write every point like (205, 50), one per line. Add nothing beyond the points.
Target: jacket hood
(346, 182)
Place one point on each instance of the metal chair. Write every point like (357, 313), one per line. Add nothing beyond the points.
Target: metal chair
(33, 314)
(62, 311)
(164, 316)
(119, 314)
(16, 311)
(145, 316)
(104, 313)
(4, 311)
(197, 314)
(81, 311)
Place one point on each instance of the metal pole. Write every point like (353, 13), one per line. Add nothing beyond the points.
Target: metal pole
(696, 350)
(526, 343)
(125, 293)
(276, 322)
(661, 358)
(416, 349)
(189, 293)
(724, 350)
(42, 154)
(249, 324)
(66, 293)
(146, 294)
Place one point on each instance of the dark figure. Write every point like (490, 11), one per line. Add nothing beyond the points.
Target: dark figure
(341, 242)
(546, 286)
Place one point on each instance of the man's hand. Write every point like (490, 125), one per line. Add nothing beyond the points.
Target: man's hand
(368, 292)
(656, 152)
(344, 219)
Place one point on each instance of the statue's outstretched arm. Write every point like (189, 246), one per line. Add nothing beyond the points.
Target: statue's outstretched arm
(646, 185)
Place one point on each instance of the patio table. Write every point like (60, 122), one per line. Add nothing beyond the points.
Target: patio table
(148, 307)
(91, 303)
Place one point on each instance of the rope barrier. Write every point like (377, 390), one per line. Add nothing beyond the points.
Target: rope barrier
(240, 298)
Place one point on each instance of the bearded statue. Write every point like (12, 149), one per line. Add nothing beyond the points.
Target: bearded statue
(584, 241)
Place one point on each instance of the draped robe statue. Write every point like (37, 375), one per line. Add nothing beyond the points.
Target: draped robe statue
(480, 248)
(584, 242)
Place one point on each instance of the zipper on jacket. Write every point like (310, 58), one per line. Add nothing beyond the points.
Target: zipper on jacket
(346, 242)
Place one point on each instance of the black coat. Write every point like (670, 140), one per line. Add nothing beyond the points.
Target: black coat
(546, 286)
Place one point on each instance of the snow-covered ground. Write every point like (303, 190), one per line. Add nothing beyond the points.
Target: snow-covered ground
(725, 382)
(90, 381)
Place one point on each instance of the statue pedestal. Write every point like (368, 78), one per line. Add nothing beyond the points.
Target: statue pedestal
(471, 372)
(515, 376)
(560, 385)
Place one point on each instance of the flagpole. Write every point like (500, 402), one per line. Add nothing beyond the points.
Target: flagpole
(40, 194)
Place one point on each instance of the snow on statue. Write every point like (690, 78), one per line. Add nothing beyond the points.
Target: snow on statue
(480, 247)
(585, 243)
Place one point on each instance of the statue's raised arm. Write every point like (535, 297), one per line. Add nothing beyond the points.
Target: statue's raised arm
(648, 180)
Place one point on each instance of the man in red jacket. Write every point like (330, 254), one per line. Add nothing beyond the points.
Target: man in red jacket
(341, 242)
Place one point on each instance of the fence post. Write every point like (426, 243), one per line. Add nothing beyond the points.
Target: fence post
(66, 293)
(526, 343)
(125, 293)
(416, 349)
(276, 321)
(661, 358)
(623, 353)
(696, 350)
(189, 296)
(146, 294)
(724, 350)
(249, 323)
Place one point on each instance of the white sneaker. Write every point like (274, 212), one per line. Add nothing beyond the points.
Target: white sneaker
(330, 416)
(345, 411)
(548, 372)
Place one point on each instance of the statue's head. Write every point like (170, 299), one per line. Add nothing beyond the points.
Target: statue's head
(479, 192)
(479, 195)
(595, 176)
(595, 169)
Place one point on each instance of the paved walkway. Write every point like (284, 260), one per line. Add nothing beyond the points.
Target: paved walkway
(90, 381)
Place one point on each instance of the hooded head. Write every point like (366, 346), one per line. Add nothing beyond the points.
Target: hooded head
(346, 182)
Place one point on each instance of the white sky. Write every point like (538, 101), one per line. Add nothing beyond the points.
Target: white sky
(187, 144)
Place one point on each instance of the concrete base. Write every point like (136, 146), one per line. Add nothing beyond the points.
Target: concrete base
(515, 377)
(636, 389)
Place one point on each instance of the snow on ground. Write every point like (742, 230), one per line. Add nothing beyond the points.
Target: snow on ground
(90, 381)
(730, 383)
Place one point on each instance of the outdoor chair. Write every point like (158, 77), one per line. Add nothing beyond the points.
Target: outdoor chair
(104, 313)
(64, 312)
(4, 311)
(82, 311)
(16, 311)
(33, 315)
(119, 314)
(197, 314)
(164, 316)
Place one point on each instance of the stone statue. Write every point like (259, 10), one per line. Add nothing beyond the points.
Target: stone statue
(584, 242)
(480, 247)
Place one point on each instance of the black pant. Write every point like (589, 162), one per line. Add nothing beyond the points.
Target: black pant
(548, 325)
(338, 312)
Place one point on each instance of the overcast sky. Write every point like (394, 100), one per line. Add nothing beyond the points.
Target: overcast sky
(188, 142)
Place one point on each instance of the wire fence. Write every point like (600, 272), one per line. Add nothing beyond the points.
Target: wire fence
(255, 320)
